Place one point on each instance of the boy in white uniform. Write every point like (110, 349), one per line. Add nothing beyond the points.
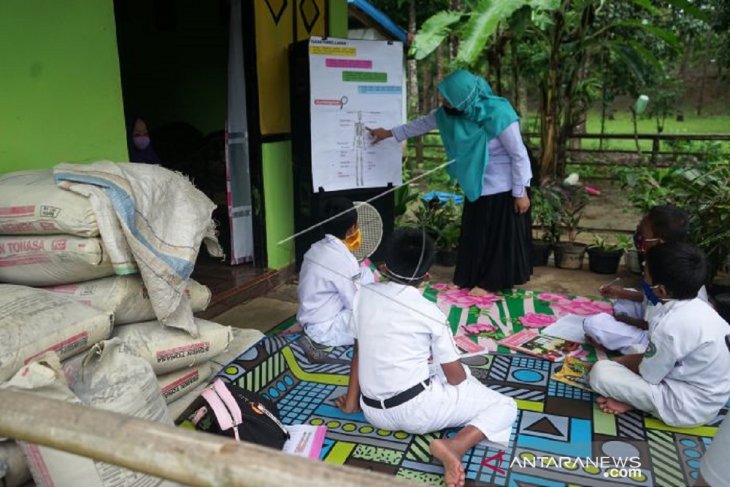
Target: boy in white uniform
(330, 276)
(626, 331)
(683, 378)
(396, 331)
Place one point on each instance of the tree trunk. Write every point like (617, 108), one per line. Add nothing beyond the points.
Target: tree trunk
(550, 94)
(413, 106)
(515, 76)
(426, 87)
(454, 5)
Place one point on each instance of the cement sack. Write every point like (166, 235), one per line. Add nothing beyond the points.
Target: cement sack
(52, 260)
(168, 349)
(151, 217)
(31, 203)
(177, 384)
(13, 467)
(127, 297)
(243, 339)
(112, 378)
(34, 321)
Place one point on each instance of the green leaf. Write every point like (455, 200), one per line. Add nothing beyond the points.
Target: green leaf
(687, 7)
(646, 5)
(667, 36)
(482, 23)
(433, 32)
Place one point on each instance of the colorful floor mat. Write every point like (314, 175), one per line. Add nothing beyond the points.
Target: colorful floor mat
(560, 439)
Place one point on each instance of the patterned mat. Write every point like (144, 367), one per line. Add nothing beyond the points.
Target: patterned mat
(559, 439)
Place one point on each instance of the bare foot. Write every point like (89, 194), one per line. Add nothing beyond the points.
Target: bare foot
(612, 406)
(451, 285)
(478, 292)
(453, 469)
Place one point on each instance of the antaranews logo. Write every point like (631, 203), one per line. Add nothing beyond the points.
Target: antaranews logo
(614, 468)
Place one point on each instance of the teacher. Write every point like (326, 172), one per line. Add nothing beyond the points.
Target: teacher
(481, 136)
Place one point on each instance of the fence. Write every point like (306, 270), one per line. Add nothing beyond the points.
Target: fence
(418, 147)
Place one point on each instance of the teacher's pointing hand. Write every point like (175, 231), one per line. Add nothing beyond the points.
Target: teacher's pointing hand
(379, 134)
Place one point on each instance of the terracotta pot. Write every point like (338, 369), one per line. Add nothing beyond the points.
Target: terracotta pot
(569, 255)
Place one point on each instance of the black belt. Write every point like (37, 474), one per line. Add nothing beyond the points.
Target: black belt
(398, 399)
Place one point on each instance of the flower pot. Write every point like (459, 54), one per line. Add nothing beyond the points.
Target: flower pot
(604, 261)
(540, 252)
(569, 255)
(446, 257)
(632, 261)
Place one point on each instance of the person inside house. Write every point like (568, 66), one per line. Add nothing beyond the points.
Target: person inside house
(330, 276)
(481, 136)
(626, 331)
(683, 378)
(140, 145)
(397, 331)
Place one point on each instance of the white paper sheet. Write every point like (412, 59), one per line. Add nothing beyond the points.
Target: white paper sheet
(568, 327)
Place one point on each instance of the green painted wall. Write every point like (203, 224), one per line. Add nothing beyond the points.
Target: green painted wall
(60, 94)
(279, 198)
(338, 18)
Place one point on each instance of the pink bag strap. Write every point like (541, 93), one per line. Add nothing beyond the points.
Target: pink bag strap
(228, 399)
(224, 407)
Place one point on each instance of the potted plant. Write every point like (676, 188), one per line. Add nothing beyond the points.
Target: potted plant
(569, 202)
(447, 244)
(604, 256)
(544, 220)
(442, 222)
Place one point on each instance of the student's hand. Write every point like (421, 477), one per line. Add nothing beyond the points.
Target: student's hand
(379, 134)
(613, 292)
(522, 204)
(348, 405)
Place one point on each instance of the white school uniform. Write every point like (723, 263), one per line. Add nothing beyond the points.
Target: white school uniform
(328, 280)
(612, 334)
(397, 330)
(684, 377)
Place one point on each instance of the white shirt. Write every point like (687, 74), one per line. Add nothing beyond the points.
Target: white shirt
(687, 361)
(398, 330)
(649, 308)
(328, 280)
(509, 165)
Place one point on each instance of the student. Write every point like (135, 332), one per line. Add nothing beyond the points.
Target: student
(626, 331)
(330, 276)
(715, 468)
(396, 331)
(683, 378)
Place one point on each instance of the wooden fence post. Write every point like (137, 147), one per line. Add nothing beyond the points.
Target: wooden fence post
(189, 457)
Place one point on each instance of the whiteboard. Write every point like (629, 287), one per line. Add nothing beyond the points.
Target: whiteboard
(354, 84)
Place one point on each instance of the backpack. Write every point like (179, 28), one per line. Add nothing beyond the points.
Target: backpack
(226, 409)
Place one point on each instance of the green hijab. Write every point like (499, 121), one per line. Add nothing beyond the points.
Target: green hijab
(467, 136)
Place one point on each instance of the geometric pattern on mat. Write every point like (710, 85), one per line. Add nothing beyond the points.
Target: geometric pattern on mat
(556, 423)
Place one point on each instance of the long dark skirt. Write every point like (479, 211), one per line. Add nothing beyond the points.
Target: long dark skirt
(495, 249)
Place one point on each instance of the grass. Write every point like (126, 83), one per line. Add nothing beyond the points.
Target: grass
(622, 124)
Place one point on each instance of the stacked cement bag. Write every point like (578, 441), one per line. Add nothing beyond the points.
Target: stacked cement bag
(180, 361)
(111, 377)
(48, 236)
(126, 297)
(243, 339)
